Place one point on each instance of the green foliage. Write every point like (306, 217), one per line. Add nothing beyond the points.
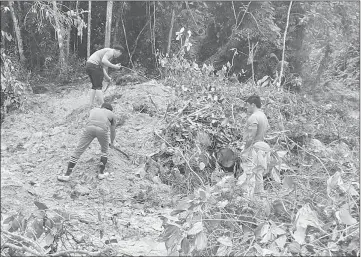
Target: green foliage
(44, 229)
(312, 198)
(214, 25)
(217, 220)
(332, 41)
(13, 91)
(44, 232)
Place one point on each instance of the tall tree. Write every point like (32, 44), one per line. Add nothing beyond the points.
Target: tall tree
(278, 83)
(17, 32)
(116, 35)
(59, 33)
(68, 35)
(108, 24)
(170, 32)
(89, 29)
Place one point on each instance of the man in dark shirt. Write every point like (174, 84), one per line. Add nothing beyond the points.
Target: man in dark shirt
(100, 120)
(256, 153)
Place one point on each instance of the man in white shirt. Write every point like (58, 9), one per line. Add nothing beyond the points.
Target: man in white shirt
(96, 69)
(256, 153)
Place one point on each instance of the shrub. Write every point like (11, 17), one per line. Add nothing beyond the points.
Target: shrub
(13, 91)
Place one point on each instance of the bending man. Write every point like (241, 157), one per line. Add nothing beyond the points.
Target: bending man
(100, 120)
(96, 69)
(256, 153)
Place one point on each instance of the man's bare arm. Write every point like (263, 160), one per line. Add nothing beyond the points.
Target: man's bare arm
(105, 61)
(106, 74)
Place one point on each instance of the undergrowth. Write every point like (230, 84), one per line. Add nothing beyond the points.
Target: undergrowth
(312, 201)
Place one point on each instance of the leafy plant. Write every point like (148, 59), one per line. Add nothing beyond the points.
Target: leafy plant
(43, 233)
(13, 92)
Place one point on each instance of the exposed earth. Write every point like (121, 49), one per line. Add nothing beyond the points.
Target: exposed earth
(36, 146)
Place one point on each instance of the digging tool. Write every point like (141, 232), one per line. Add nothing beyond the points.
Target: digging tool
(116, 148)
(107, 86)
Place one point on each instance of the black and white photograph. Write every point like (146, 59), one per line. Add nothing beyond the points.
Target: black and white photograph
(180, 128)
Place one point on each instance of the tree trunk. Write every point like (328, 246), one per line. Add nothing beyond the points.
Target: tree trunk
(278, 83)
(59, 33)
(17, 33)
(67, 37)
(76, 40)
(116, 36)
(89, 30)
(170, 32)
(108, 24)
(323, 63)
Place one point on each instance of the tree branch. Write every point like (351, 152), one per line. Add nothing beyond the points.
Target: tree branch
(22, 249)
(234, 13)
(136, 40)
(24, 239)
(328, 173)
(99, 253)
(245, 11)
(190, 11)
(187, 162)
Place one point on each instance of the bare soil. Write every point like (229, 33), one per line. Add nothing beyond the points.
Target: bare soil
(36, 146)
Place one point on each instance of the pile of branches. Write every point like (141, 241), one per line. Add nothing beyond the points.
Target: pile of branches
(314, 191)
(209, 115)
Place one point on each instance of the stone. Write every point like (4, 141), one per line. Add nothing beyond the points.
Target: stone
(82, 190)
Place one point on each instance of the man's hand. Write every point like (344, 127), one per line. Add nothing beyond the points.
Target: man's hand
(118, 66)
(244, 154)
(108, 79)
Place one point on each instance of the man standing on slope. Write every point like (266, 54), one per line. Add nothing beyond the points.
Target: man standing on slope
(100, 120)
(96, 69)
(256, 153)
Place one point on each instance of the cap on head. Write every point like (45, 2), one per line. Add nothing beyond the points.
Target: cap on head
(107, 106)
(118, 47)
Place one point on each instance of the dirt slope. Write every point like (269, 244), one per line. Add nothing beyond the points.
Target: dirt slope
(35, 148)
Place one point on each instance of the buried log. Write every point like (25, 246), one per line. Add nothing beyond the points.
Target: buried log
(229, 161)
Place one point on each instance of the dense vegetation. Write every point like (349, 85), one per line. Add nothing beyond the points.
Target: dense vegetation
(302, 58)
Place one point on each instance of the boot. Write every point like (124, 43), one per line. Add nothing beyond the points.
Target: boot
(66, 176)
(102, 174)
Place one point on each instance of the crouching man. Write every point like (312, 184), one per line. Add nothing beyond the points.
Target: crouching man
(100, 120)
(256, 154)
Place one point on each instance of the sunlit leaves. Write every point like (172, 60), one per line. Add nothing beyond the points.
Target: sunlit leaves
(305, 217)
(196, 228)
